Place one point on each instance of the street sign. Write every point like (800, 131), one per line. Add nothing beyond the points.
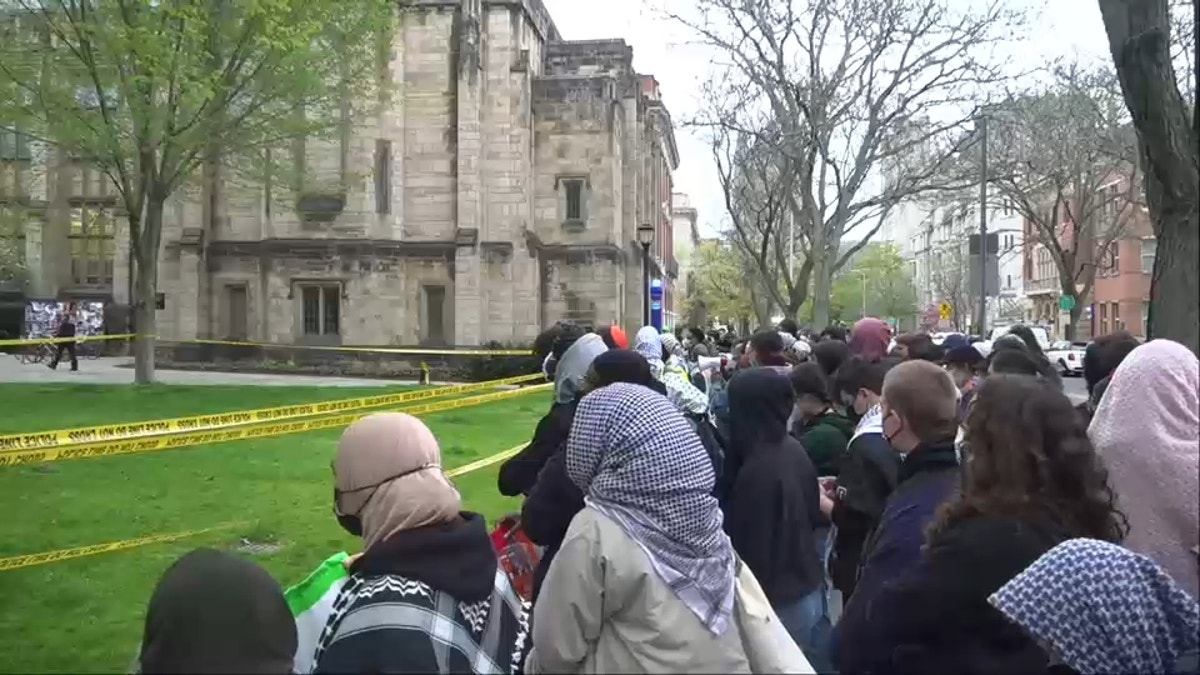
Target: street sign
(944, 311)
(1066, 303)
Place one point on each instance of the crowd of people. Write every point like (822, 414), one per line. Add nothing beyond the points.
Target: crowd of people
(849, 501)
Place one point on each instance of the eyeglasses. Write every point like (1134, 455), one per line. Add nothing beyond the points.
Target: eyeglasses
(374, 487)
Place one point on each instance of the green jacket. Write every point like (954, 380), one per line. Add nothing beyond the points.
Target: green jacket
(825, 437)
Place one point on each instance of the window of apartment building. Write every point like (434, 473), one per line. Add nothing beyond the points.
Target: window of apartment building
(383, 176)
(433, 309)
(92, 245)
(1111, 262)
(1149, 249)
(1103, 317)
(14, 145)
(1116, 316)
(573, 193)
(1145, 319)
(1008, 207)
(12, 240)
(237, 307)
(1008, 281)
(1008, 242)
(321, 307)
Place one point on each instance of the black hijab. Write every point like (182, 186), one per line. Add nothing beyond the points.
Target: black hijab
(623, 365)
(212, 612)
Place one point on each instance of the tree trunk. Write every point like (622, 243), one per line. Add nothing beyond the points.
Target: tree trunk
(1138, 36)
(822, 276)
(147, 292)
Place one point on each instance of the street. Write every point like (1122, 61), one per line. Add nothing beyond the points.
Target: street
(1075, 389)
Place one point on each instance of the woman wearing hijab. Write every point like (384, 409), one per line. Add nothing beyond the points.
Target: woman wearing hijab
(1099, 608)
(554, 500)
(1147, 430)
(427, 594)
(869, 339)
(214, 613)
(518, 473)
(680, 389)
(644, 581)
(1033, 481)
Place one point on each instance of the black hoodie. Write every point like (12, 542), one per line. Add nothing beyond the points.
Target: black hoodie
(774, 504)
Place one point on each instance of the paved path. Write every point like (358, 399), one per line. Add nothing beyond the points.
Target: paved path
(108, 370)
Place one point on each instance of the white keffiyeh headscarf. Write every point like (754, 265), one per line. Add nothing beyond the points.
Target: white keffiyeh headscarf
(680, 389)
(639, 462)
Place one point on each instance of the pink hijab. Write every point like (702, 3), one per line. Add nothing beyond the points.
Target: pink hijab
(869, 339)
(1147, 430)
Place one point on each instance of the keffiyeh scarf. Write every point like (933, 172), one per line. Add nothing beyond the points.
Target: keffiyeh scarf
(1102, 609)
(680, 389)
(639, 462)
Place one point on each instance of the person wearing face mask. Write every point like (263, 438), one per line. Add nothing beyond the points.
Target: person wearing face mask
(919, 410)
(867, 472)
(427, 594)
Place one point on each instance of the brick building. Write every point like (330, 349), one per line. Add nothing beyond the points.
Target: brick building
(500, 192)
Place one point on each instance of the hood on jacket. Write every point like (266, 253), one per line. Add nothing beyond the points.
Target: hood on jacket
(760, 403)
(835, 419)
(573, 366)
(456, 557)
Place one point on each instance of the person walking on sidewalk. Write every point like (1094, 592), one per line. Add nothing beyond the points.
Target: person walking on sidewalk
(66, 329)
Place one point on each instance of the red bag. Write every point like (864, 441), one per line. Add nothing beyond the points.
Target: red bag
(518, 556)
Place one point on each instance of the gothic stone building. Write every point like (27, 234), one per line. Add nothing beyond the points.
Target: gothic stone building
(500, 191)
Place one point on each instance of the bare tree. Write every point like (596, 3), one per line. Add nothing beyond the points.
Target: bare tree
(1065, 158)
(862, 102)
(1141, 40)
(950, 278)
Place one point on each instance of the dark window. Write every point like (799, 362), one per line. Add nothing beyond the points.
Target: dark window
(321, 307)
(383, 176)
(238, 307)
(435, 315)
(574, 194)
(14, 145)
(92, 246)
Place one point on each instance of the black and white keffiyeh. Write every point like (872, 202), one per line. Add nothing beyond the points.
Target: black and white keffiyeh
(639, 462)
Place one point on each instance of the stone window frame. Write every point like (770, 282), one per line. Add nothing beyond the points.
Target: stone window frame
(323, 336)
(423, 334)
(561, 183)
(227, 310)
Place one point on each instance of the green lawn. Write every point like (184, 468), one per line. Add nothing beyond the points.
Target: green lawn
(85, 615)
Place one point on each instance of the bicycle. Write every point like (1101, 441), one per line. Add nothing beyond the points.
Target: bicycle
(43, 351)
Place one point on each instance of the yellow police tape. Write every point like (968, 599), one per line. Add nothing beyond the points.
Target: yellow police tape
(171, 442)
(33, 559)
(33, 342)
(109, 432)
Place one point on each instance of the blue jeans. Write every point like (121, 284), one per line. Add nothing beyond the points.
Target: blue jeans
(807, 621)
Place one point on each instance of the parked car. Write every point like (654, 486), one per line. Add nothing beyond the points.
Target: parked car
(1067, 356)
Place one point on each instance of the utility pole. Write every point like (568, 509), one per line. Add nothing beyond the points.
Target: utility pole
(983, 181)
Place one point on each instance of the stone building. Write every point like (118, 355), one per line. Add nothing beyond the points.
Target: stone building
(500, 191)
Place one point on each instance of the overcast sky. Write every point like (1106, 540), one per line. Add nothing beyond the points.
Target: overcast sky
(660, 48)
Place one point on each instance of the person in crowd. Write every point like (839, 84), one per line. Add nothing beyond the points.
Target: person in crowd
(868, 471)
(564, 336)
(614, 337)
(65, 331)
(212, 612)
(966, 367)
(919, 405)
(1032, 482)
(1147, 429)
(918, 346)
(427, 594)
(831, 354)
(554, 499)
(799, 352)
(790, 327)
(1014, 362)
(518, 473)
(674, 355)
(766, 349)
(1100, 608)
(833, 332)
(645, 578)
(1045, 368)
(953, 341)
(773, 508)
(819, 426)
(1100, 359)
(869, 339)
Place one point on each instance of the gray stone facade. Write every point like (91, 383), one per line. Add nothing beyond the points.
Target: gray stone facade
(517, 168)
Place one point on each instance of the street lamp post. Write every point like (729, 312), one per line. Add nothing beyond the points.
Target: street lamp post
(862, 275)
(645, 237)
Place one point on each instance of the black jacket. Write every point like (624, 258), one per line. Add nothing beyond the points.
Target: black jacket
(66, 329)
(548, 511)
(866, 478)
(518, 473)
(774, 505)
(935, 618)
(423, 601)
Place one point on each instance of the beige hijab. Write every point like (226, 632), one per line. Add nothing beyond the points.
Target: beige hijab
(388, 470)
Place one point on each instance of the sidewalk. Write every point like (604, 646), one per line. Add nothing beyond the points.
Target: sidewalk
(109, 370)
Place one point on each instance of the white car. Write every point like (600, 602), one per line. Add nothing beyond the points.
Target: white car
(1067, 356)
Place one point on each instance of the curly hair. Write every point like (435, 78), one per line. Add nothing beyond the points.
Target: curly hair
(1030, 459)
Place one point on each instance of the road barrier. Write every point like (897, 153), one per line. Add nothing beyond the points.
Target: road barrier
(239, 433)
(60, 438)
(33, 342)
(34, 559)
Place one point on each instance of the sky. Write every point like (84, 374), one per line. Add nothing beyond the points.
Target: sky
(1058, 29)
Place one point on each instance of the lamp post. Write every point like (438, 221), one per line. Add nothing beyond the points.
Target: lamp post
(862, 274)
(645, 237)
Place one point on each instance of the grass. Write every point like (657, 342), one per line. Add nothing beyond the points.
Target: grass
(85, 615)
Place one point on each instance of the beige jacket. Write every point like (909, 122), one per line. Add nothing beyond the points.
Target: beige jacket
(603, 609)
